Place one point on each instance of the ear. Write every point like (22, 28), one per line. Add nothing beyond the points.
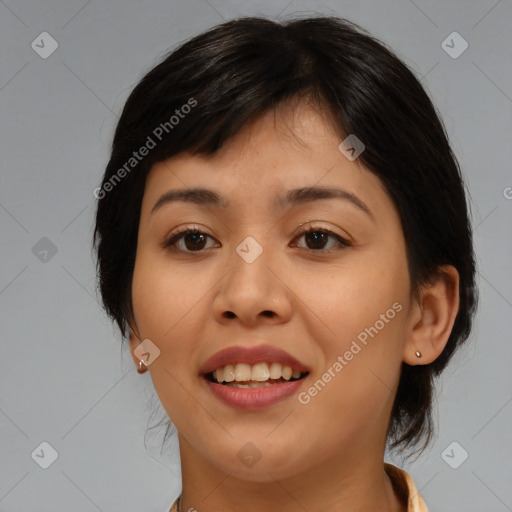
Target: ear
(432, 317)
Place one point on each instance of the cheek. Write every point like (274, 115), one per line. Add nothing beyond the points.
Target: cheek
(167, 310)
(354, 296)
(363, 309)
(164, 298)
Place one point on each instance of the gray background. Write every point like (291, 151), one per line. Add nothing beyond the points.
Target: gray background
(65, 378)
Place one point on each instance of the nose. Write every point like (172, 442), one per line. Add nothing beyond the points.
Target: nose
(254, 291)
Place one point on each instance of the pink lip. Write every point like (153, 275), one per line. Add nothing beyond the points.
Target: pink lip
(251, 399)
(251, 355)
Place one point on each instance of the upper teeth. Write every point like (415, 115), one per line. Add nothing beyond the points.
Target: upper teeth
(258, 372)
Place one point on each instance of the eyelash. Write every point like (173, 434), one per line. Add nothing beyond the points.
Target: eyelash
(171, 241)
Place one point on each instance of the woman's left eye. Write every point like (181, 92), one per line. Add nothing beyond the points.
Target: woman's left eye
(318, 237)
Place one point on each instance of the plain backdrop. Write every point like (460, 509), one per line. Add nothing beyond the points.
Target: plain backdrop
(65, 378)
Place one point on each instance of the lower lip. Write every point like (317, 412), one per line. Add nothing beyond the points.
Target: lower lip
(250, 399)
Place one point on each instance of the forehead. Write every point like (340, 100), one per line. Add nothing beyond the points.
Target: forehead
(286, 149)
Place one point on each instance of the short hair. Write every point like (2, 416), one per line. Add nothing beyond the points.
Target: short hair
(237, 71)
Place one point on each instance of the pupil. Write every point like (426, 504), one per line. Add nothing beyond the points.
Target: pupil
(316, 237)
(194, 237)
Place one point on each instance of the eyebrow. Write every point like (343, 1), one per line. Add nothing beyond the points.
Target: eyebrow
(206, 197)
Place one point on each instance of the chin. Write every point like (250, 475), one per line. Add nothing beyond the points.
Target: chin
(253, 464)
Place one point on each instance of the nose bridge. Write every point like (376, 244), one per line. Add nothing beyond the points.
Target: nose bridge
(249, 262)
(251, 287)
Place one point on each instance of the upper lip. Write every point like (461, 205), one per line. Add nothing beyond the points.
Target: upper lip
(251, 355)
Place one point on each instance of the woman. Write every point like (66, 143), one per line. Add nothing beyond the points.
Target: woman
(283, 236)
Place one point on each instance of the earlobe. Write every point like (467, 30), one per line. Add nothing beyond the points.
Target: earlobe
(135, 341)
(433, 318)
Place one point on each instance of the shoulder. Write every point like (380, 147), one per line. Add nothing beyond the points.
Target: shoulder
(405, 488)
(174, 507)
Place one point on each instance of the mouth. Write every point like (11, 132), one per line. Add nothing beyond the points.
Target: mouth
(259, 375)
(255, 377)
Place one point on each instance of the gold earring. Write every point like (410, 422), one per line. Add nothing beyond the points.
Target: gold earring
(142, 367)
(418, 353)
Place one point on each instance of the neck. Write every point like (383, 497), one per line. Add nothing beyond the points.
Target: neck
(355, 482)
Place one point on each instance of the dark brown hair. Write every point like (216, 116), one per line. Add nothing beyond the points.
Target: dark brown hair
(239, 70)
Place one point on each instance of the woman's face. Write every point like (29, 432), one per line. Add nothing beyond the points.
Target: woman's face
(250, 278)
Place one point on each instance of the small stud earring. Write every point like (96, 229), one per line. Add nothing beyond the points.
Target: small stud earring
(418, 353)
(142, 367)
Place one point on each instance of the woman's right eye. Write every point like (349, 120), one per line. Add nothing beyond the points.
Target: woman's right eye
(187, 240)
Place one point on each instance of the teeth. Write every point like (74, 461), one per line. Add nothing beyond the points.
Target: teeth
(229, 373)
(260, 372)
(275, 370)
(242, 372)
(249, 385)
(287, 372)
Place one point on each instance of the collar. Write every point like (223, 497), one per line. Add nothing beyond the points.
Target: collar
(405, 489)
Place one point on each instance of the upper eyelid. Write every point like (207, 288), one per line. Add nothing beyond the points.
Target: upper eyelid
(311, 226)
(301, 230)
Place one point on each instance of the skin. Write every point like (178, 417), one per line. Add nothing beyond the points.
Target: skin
(328, 454)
